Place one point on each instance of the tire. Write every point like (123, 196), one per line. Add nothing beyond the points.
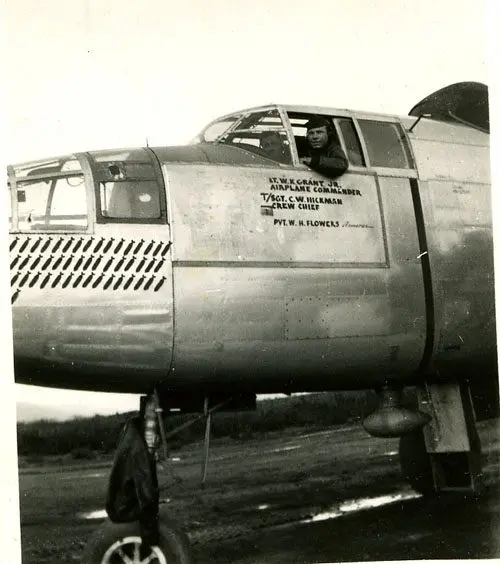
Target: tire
(112, 541)
(415, 463)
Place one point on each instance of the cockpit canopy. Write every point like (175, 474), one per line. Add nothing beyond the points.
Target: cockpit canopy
(278, 133)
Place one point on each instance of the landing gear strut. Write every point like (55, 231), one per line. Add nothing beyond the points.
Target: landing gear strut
(445, 455)
(138, 533)
(133, 497)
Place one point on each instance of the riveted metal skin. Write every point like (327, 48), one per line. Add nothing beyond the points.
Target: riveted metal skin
(85, 316)
(259, 276)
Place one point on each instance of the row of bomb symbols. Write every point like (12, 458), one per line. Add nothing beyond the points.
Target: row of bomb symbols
(53, 263)
(87, 263)
(93, 281)
(72, 245)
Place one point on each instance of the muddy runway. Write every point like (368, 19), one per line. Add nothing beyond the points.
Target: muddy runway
(327, 496)
(414, 529)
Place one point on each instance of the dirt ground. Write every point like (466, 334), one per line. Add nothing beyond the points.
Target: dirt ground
(333, 495)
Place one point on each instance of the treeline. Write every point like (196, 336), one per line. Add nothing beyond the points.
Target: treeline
(88, 437)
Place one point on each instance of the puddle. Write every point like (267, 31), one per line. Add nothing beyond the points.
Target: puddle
(370, 502)
(350, 506)
(361, 504)
(323, 517)
(100, 514)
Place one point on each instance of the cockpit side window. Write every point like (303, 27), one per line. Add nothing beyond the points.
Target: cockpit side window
(353, 148)
(386, 144)
(343, 133)
(130, 199)
(298, 121)
(129, 190)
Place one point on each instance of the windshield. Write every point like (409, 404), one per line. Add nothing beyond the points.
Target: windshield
(261, 132)
(213, 131)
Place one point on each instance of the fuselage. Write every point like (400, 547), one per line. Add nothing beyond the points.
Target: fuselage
(212, 266)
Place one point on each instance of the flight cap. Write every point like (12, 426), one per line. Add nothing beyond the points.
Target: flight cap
(318, 121)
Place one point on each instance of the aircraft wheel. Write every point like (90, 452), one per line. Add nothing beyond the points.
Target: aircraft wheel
(119, 544)
(415, 463)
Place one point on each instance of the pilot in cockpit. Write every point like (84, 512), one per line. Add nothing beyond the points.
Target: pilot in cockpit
(325, 154)
(272, 144)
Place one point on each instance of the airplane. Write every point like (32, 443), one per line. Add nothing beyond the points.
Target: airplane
(202, 275)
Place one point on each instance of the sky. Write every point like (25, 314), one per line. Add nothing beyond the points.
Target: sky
(107, 73)
(93, 74)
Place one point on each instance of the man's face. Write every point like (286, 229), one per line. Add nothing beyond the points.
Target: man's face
(272, 145)
(318, 137)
